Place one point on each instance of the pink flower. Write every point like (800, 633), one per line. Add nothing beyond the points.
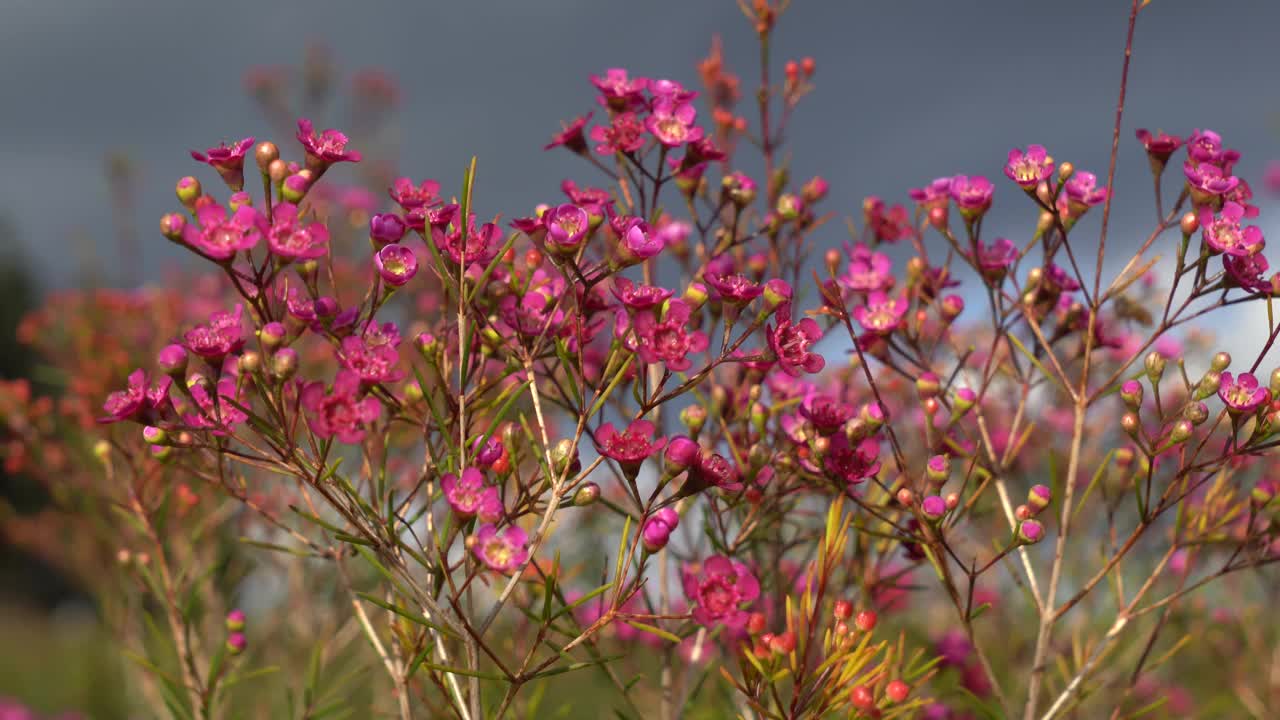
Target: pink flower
(825, 413)
(636, 241)
(1159, 146)
(219, 414)
(410, 196)
(480, 248)
(882, 314)
(289, 239)
(868, 271)
(935, 194)
(624, 134)
(1209, 179)
(1247, 272)
(849, 463)
(396, 264)
(993, 260)
(734, 289)
(1029, 168)
(325, 148)
(673, 124)
(386, 228)
(630, 447)
(220, 237)
(972, 194)
(1223, 233)
(139, 400)
(341, 413)
(1083, 191)
(714, 470)
(667, 340)
(571, 137)
(618, 91)
(221, 336)
(1205, 146)
(469, 497)
(371, 362)
(228, 161)
(1272, 178)
(720, 589)
(532, 313)
(567, 227)
(501, 551)
(638, 297)
(790, 342)
(1241, 394)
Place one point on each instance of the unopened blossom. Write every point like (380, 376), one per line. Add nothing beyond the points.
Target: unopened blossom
(673, 124)
(668, 340)
(571, 137)
(290, 239)
(638, 297)
(227, 160)
(1082, 191)
(342, 412)
(714, 470)
(221, 336)
(566, 227)
(324, 148)
(468, 496)
(396, 264)
(619, 91)
(972, 195)
(386, 228)
(1029, 168)
(1209, 180)
(623, 134)
(503, 551)
(372, 362)
(655, 534)
(1241, 394)
(882, 314)
(1223, 234)
(409, 195)
(720, 590)
(630, 447)
(220, 237)
(791, 342)
(868, 271)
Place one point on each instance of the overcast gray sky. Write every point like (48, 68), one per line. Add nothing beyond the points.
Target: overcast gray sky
(906, 90)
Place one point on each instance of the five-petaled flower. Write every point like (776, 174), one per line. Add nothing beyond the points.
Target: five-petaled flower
(882, 314)
(220, 237)
(227, 160)
(629, 447)
(667, 339)
(1241, 394)
(324, 148)
(468, 496)
(1223, 233)
(289, 239)
(503, 551)
(341, 413)
(720, 589)
(791, 343)
(1029, 168)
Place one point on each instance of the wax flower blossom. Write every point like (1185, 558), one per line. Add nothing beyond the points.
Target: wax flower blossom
(221, 336)
(1223, 233)
(882, 314)
(825, 413)
(851, 463)
(1208, 180)
(218, 413)
(993, 260)
(720, 590)
(341, 413)
(624, 134)
(1241, 394)
(1029, 168)
(480, 247)
(638, 297)
(1082, 192)
(409, 196)
(372, 362)
(228, 161)
(1160, 145)
(673, 124)
(386, 228)
(867, 272)
(636, 240)
(220, 237)
(667, 340)
(469, 497)
(934, 195)
(972, 195)
(630, 447)
(289, 239)
(396, 264)
(790, 343)
(571, 137)
(140, 400)
(503, 551)
(618, 91)
(567, 227)
(734, 289)
(324, 148)
(1247, 272)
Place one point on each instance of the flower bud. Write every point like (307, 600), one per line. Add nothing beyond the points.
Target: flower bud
(188, 190)
(412, 391)
(1208, 385)
(681, 453)
(938, 470)
(236, 643)
(284, 364)
(950, 307)
(277, 170)
(963, 401)
(586, 495)
(866, 620)
(933, 507)
(1221, 361)
(295, 188)
(272, 335)
(1131, 393)
(1131, 425)
(1181, 432)
(386, 228)
(1196, 412)
(427, 344)
(694, 417)
(1155, 366)
(1030, 532)
(249, 362)
(1263, 493)
(1023, 512)
(1275, 383)
(905, 497)
(655, 535)
(862, 698)
(172, 225)
(783, 643)
(235, 621)
(897, 691)
(564, 458)
(789, 207)
(873, 415)
(928, 385)
(1190, 223)
(669, 516)
(756, 623)
(265, 154)
(173, 360)
(1039, 497)
(696, 295)
(154, 435)
(776, 293)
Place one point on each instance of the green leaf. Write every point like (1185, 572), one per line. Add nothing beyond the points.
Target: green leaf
(654, 630)
(406, 614)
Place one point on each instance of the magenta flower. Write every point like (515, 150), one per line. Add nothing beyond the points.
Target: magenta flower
(1223, 233)
(618, 91)
(825, 413)
(630, 447)
(290, 239)
(655, 534)
(220, 237)
(469, 497)
(1205, 146)
(1159, 146)
(734, 289)
(571, 137)
(668, 340)
(972, 194)
(325, 148)
(228, 161)
(221, 336)
(1029, 168)
(567, 227)
(1241, 394)
(882, 314)
(935, 194)
(638, 297)
(481, 245)
(410, 196)
(371, 362)
(386, 228)
(1208, 179)
(790, 343)
(715, 470)
(993, 260)
(673, 124)
(850, 463)
(396, 264)
(1083, 191)
(532, 313)
(502, 551)
(636, 241)
(720, 589)
(218, 414)
(868, 271)
(341, 413)
(139, 401)
(1247, 272)
(624, 134)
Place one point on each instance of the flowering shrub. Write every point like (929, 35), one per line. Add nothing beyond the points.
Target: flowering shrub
(660, 434)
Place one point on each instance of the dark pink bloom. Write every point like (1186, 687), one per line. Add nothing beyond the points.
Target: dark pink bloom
(532, 313)
(469, 497)
(341, 413)
(410, 196)
(825, 413)
(935, 194)
(371, 362)
(1056, 277)
(639, 297)
(790, 343)
(673, 124)
(228, 161)
(1159, 146)
(481, 245)
(1223, 233)
(664, 89)
(1083, 192)
(1029, 168)
(850, 463)
(993, 260)
(221, 336)
(596, 201)
(630, 447)
(667, 340)
(636, 241)
(567, 227)
(618, 91)
(1247, 272)
(1209, 179)
(624, 134)
(290, 239)
(221, 237)
(720, 590)
(1241, 394)
(715, 470)
(972, 194)
(502, 551)
(734, 289)
(882, 314)
(868, 271)
(1241, 194)
(139, 401)
(1205, 146)
(571, 137)
(396, 264)
(386, 228)
(655, 534)
(324, 148)
(218, 414)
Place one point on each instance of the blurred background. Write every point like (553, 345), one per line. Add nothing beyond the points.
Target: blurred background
(103, 101)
